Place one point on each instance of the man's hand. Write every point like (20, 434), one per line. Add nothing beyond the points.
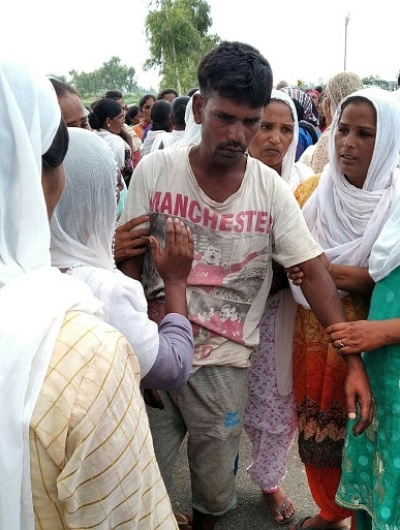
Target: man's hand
(130, 242)
(358, 392)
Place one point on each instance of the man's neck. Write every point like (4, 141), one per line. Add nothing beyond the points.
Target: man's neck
(218, 182)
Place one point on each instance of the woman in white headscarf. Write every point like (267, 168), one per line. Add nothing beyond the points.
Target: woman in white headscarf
(54, 351)
(270, 418)
(81, 244)
(356, 194)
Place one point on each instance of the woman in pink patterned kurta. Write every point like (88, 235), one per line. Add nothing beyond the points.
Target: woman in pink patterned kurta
(270, 419)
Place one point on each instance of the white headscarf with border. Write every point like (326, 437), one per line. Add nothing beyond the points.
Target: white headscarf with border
(345, 220)
(34, 297)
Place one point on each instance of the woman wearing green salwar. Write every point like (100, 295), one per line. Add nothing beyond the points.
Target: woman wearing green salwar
(370, 482)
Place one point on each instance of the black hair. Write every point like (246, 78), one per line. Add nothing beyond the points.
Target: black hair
(178, 110)
(63, 89)
(357, 100)
(101, 110)
(145, 98)
(132, 112)
(161, 115)
(55, 155)
(192, 91)
(166, 91)
(236, 71)
(113, 94)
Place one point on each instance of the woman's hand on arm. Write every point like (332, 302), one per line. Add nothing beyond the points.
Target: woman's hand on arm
(364, 335)
(351, 279)
(346, 277)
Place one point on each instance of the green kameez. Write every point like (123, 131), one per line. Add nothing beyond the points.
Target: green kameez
(371, 462)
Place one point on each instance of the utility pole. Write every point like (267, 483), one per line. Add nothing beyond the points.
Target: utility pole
(346, 23)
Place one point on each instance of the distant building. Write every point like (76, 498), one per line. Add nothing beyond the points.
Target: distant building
(387, 85)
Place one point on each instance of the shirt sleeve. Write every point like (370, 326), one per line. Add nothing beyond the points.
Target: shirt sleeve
(292, 241)
(174, 360)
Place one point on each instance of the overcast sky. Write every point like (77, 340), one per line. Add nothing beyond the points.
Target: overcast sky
(302, 40)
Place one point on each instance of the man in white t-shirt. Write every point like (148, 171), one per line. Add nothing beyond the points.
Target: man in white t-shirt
(242, 216)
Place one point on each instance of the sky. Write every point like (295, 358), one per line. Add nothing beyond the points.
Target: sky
(302, 41)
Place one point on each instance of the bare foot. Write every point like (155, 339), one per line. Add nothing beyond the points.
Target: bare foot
(280, 506)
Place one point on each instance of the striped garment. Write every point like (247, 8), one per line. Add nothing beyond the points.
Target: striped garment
(92, 458)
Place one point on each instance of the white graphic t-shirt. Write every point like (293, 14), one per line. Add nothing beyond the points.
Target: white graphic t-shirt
(235, 242)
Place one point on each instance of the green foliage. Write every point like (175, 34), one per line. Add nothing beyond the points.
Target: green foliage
(368, 81)
(111, 76)
(177, 31)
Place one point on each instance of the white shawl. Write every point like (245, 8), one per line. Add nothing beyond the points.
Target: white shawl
(385, 254)
(82, 234)
(346, 220)
(33, 297)
(192, 129)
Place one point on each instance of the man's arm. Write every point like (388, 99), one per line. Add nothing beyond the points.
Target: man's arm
(321, 293)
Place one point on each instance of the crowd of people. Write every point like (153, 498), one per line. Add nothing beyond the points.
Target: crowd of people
(189, 268)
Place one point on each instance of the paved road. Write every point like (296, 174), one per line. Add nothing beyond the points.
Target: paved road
(251, 512)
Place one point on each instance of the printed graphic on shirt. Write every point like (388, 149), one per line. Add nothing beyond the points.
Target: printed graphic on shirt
(227, 273)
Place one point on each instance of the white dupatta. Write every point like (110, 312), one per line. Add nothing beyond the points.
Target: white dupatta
(345, 220)
(33, 296)
(82, 234)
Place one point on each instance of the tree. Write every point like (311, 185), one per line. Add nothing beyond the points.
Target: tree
(178, 34)
(111, 76)
(367, 81)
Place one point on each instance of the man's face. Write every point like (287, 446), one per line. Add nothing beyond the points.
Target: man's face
(212, 255)
(233, 314)
(227, 127)
(224, 313)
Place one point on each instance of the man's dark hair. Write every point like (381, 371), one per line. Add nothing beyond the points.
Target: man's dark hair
(178, 111)
(236, 71)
